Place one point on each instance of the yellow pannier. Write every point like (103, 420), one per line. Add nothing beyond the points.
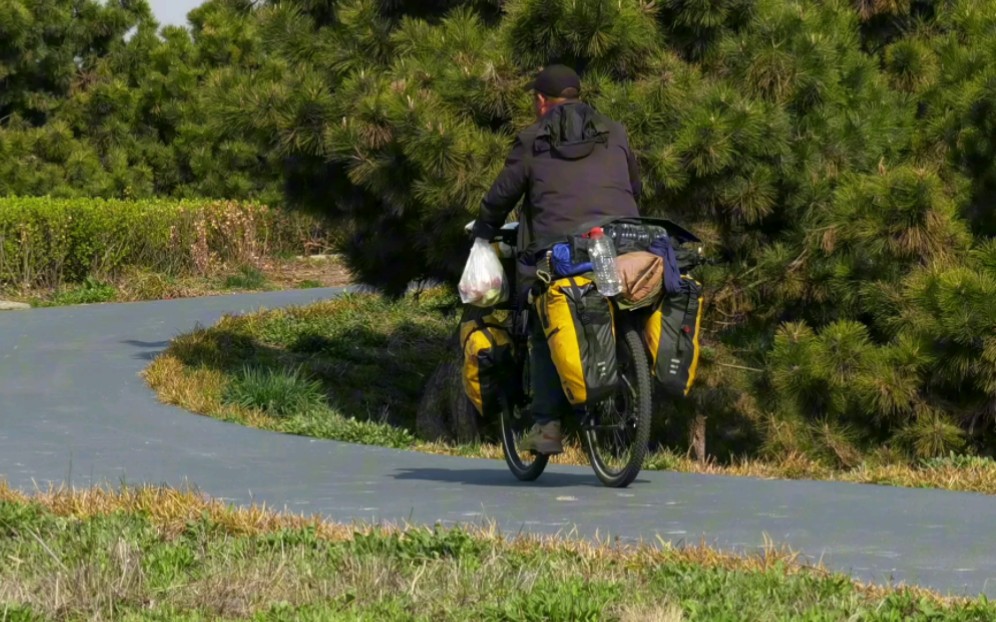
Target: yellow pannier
(578, 324)
(672, 336)
(487, 350)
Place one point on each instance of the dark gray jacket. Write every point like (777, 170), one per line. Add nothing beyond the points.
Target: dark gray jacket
(574, 166)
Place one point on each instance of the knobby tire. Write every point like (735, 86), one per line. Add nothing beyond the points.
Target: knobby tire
(638, 415)
(510, 422)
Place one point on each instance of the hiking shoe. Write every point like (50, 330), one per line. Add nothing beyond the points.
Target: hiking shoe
(545, 439)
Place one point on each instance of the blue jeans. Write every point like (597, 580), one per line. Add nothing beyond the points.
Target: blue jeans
(549, 401)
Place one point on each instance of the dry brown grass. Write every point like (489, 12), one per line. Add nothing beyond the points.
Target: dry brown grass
(171, 511)
(652, 613)
(327, 270)
(220, 561)
(136, 284)
(966, 478)
(199, 391)
(948, 477)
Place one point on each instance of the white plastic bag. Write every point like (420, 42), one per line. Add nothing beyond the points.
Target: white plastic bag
(483, 283)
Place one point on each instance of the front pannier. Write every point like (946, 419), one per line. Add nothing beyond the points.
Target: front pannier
(488, 364)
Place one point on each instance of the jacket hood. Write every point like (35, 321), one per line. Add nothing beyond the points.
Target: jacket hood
(571, 131)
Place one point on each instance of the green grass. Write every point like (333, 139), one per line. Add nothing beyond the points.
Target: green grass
(368, 356)
(350, 369)
(91, 291)
(163, 555)
(248, 277)
(331, 425)
(276, 392)
(296, 404)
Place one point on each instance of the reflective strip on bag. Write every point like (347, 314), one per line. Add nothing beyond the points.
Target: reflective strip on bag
(652, 332)
(696, 345)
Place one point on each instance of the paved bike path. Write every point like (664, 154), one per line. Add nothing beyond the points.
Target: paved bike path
(73, 409)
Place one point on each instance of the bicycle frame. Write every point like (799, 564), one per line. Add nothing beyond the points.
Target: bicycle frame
(520, 332)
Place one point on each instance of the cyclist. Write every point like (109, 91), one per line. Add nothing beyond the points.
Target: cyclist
(573, 166)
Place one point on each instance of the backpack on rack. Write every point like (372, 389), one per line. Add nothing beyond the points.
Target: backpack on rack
(578, 323)
(677, 248)
(488, 363)
(672, 337)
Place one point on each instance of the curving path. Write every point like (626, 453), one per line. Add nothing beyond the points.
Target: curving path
(73, 409)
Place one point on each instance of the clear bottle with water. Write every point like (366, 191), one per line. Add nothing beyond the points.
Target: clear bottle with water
(602, 253)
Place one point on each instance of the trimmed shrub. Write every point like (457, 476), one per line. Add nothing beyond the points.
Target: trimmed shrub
(47, 242)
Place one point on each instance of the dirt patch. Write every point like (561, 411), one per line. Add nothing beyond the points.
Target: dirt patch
(326, 270)
(270, 274)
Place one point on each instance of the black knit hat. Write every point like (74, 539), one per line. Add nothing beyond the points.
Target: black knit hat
(555, 80)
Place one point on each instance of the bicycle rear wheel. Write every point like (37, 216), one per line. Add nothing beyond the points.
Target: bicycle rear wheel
(617, 430)
(515, 423)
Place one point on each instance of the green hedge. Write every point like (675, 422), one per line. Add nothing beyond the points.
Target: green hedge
(47, 242)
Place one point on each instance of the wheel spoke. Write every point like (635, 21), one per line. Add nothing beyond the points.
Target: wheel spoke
(629, 386)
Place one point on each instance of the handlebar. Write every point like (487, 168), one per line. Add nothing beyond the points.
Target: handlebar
(510, 227)
(508, 235)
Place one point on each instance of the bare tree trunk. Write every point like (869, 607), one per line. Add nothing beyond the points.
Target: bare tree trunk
(697, 437)
(430, 420)
(444, 413)
(464, 419)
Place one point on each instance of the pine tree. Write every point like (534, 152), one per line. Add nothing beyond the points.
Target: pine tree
(804, 141)
(47, 46)
(838, 155)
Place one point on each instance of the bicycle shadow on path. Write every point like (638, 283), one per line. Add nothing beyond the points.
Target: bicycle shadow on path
(500, 477)
(152, 349)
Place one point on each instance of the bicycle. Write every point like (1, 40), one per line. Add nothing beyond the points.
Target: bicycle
(615, 431)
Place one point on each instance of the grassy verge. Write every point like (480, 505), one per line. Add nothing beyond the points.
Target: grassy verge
(135, 284)
(351, 369)
(354, 368)
(161, 554)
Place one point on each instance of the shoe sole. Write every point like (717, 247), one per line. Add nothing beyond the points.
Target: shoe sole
(548, 448)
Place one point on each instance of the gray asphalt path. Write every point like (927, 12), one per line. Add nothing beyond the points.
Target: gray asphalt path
(73, 409)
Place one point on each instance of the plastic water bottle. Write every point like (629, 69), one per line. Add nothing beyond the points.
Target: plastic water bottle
(602, 252)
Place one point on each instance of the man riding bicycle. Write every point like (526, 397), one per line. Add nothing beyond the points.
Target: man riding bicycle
(572, 167)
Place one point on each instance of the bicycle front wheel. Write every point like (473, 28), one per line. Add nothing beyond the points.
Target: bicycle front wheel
(515, 423)
(617, 430)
